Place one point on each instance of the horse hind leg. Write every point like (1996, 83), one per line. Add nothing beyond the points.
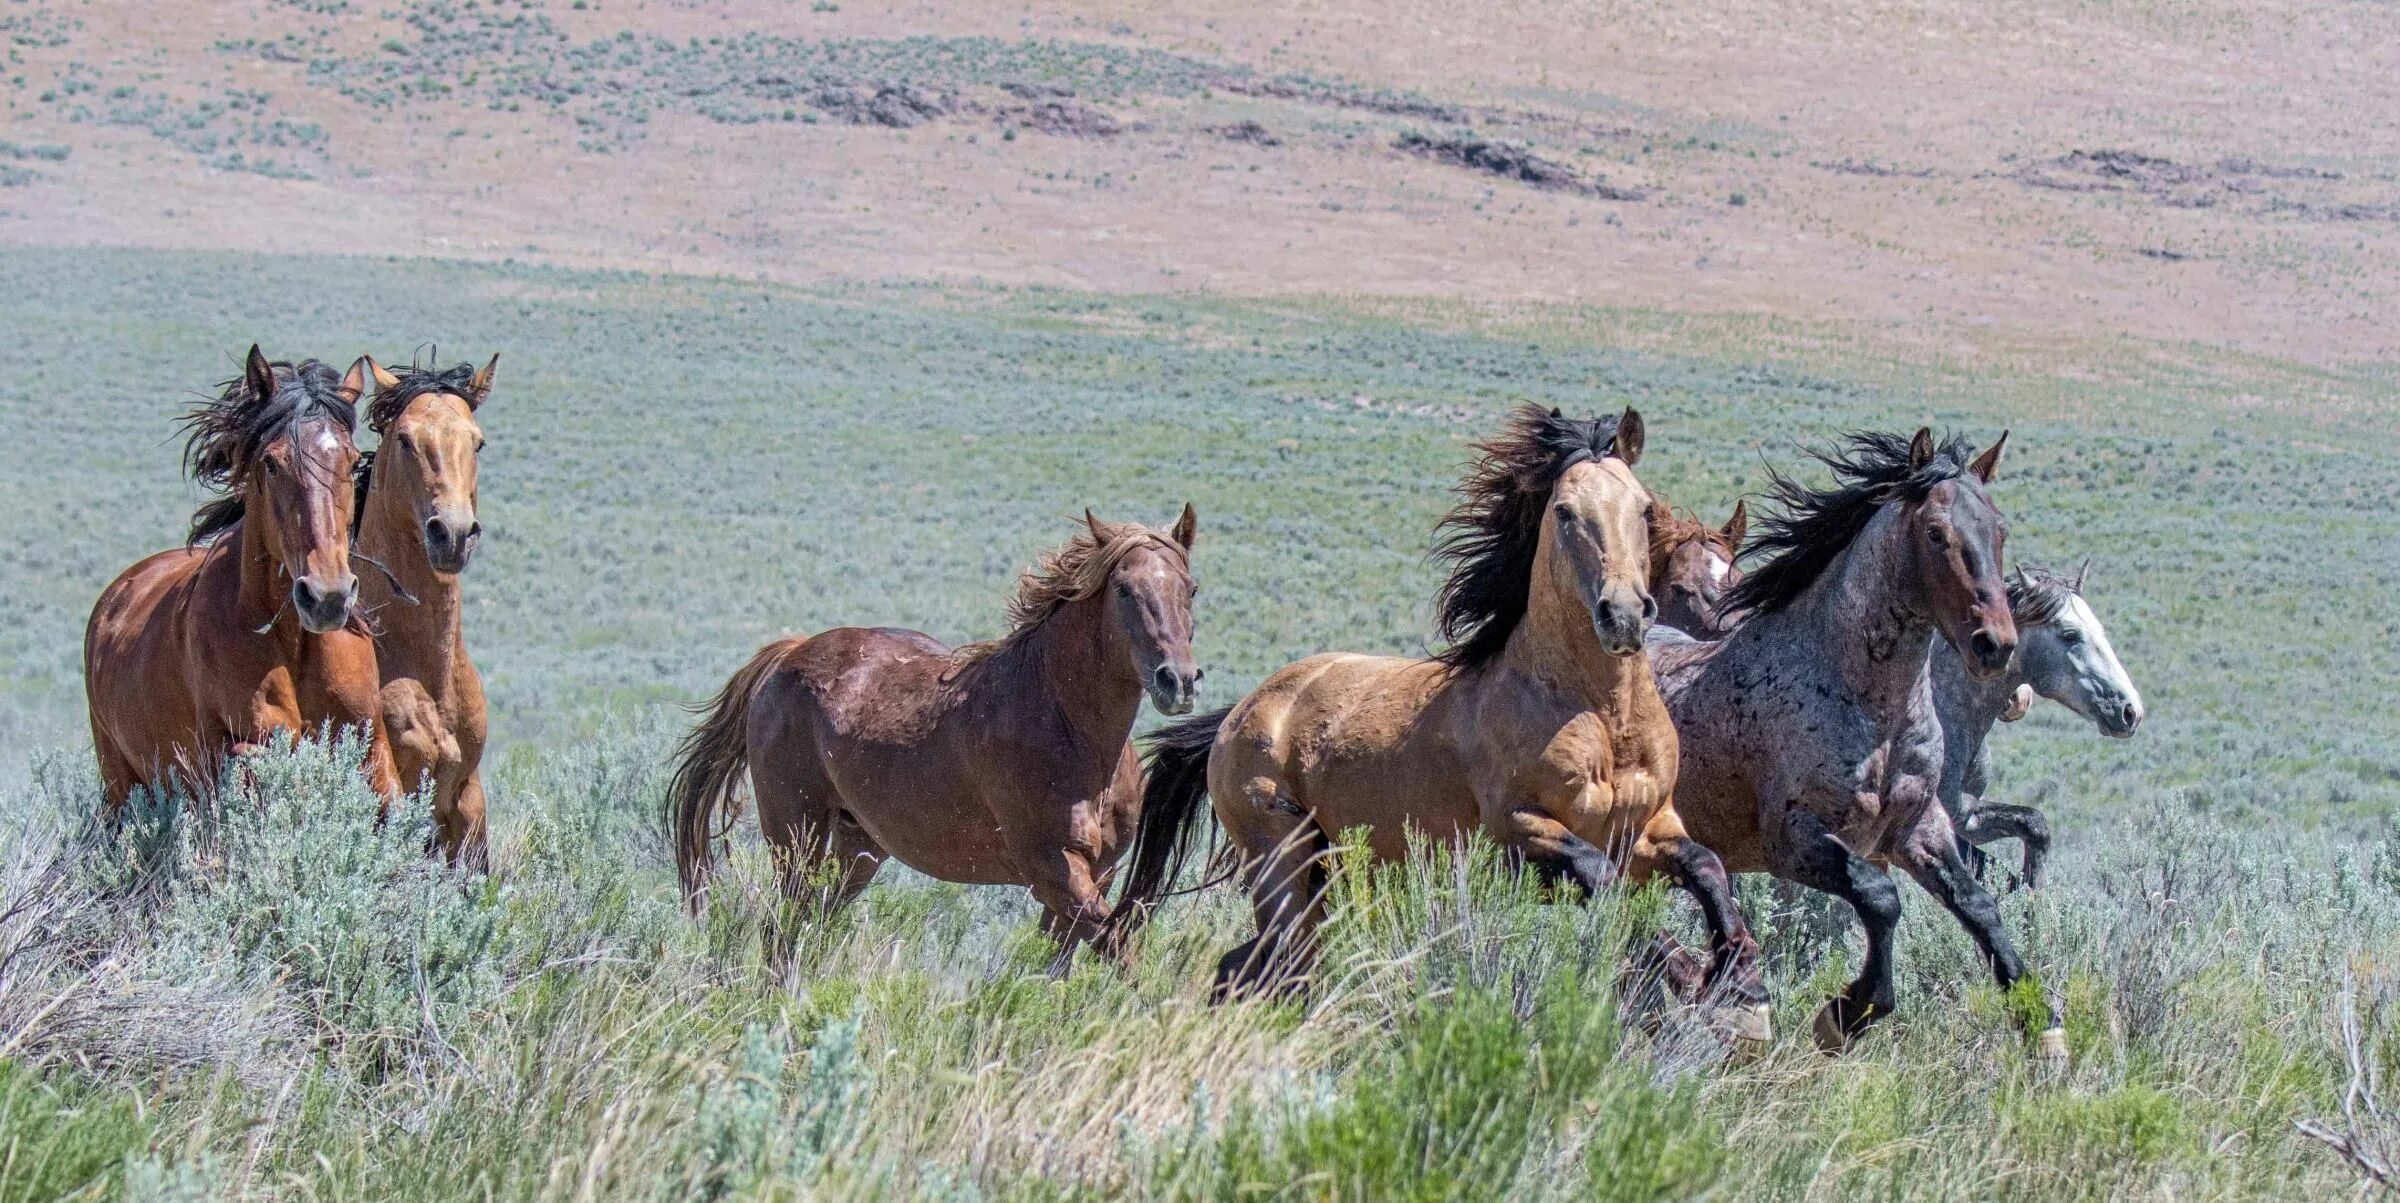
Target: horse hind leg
(1287, 898)
(1987, 822)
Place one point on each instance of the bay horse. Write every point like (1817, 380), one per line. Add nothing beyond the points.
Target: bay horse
(1811, 744)
(2063, 653)
(417, 528)
(206, 651)
(1692, 565)
(1000, 763)
(1539, 726)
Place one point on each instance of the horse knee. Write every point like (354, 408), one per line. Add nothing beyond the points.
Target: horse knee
(1875, 897)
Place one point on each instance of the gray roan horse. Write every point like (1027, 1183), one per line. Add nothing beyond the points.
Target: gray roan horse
(1810, 744)
(2064, 655)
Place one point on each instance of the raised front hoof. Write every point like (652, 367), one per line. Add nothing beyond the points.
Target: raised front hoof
(2050, 1048)
(1748, 1028)
(1838, 1026)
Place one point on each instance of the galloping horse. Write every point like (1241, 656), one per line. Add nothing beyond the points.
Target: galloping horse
(1811, 745)
(207, 650)
(1692, 566)
(417, 528)
(1540, 725)
(2063, 654)
(1006, 762)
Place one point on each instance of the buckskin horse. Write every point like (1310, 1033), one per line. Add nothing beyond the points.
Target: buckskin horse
(1810, 741)
(417, 529)
(1006, 762)
(1539, 726)
(206, 651)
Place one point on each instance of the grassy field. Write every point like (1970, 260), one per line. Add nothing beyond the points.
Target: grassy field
(287, 1003)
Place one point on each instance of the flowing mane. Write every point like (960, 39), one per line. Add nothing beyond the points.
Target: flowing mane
(2037, 595)
(1068, 574)
(1491, 535)
(1671, 528)
(1812, 527)
(225, 437)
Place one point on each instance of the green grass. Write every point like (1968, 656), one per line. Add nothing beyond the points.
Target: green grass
(680, 469)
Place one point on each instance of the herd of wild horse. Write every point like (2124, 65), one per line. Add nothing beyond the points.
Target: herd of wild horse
(1616, 700)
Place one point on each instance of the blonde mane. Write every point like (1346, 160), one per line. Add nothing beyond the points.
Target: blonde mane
(1068, 574)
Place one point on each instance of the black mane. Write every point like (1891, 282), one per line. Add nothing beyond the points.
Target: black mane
(225, 437)
(1812, 527)
(1492, 534)
(2036, 595)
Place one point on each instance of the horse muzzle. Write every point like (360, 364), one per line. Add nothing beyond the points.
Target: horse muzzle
(450, 541)
(1172, 690)
(324, 607)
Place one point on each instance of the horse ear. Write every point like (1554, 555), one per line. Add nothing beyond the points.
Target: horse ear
(1093, 524)
(383, 377)
(1187, 528)
(1629, 436)
(481, 386)
(1920, 448)
(258, 373)
(2083, 574)
(354, 381)
(1738, 525)
(1987, 465)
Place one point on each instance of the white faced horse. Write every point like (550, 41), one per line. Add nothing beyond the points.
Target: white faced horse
(2063, 654)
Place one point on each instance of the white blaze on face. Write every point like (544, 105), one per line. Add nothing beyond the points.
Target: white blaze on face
(1717, 568)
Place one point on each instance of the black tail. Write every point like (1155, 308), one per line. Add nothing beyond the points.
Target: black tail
(1174, 788)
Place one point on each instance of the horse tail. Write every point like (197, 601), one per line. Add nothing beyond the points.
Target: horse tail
(710, 765)
(1175, 782)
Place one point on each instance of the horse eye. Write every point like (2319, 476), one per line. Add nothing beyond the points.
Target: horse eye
(1938, 536)
(2070, 635)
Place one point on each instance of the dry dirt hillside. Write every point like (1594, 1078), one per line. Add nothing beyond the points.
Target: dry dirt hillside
(2221, 172)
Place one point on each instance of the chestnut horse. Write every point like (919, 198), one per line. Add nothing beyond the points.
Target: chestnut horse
(1812, 747)
(1006, 762)
(208, 650)
(417, 528)
(1539, 727)
(1692, 566)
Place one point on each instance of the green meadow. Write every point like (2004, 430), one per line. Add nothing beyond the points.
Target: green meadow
(265, 996)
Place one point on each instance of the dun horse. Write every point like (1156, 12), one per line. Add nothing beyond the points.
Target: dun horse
(1811, 746)
(1692, 567)
(1539, 727)
(2064, 655)
(998, 763)
(207, 650)
(417, 528)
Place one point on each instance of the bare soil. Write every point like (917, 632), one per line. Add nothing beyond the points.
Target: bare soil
(2221, 173)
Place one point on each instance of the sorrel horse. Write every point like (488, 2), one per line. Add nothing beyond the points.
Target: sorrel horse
(1811, 745)
(206, 651)
(1000, 763)
(2063, 654)
(1540, 726)
(417, 529)
(1692, 566)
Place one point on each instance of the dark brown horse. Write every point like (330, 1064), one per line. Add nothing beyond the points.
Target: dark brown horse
(1692, 567)
(1540, 727)
(417, 530)
(1812, 746)
(210, 649)
(1001, 763)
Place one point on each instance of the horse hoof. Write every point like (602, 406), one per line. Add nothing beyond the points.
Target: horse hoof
(2051, 1047)
(1751, 1029)
(1832, 1040)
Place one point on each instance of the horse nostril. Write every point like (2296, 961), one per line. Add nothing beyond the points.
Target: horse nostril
(1165, 677)
(304, 595)
(1649, 608)
(1199, 675)
(1984, 646)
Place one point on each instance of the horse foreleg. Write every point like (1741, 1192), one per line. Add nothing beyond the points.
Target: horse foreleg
(1074, 911)
(1803, 851)
(1733, 976)
(460, 823)
(1990, 821)
(1536, 838)
(1930, 855)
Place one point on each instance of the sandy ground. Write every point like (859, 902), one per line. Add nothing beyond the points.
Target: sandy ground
(1890, 163)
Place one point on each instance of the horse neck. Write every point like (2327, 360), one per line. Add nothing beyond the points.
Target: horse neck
(1554, 641)
(419, 641)
(1069, 655)
(1969, 706)
(1864, 613)
(264, 592)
